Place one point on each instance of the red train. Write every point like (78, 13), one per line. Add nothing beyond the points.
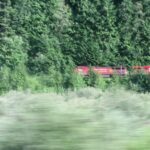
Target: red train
(110, 71)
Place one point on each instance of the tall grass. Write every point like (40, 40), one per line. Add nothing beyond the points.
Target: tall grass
(88, 119)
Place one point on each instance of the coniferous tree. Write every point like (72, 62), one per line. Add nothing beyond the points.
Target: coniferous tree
(125, 17)
(11, 45)
(40, 23)
(4, 28)
(94, 33)
(145, 33)
(134, 32)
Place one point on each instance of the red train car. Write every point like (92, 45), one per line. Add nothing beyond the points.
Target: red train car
(141, 69)
(110, 71)
(121, 71)
(104, 71)
(83, 70)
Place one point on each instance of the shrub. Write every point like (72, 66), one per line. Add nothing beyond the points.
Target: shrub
(101, 83)
(78, 81)
(139, 82)
(4, 80)
(17, 78)
(91, 78)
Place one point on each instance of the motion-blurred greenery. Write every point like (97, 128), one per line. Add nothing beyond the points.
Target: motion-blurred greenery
(88, 119)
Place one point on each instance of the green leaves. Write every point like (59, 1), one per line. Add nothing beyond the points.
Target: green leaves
(41, 34)
(94, 32)
(134, 35)
(13, 52)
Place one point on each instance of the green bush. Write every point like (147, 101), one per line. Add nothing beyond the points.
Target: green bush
(91, 79)
(4, 80)
(13, 79)
(139, 82)
(101, 83)
(78, 81)
(17, 79)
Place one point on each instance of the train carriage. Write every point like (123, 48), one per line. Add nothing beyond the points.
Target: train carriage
(110, 71)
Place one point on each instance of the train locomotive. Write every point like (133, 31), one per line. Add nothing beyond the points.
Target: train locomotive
(110, 71)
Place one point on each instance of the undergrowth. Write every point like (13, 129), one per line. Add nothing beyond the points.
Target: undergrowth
(87, 119)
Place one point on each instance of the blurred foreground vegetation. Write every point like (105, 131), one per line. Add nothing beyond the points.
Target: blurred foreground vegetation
(88, 119)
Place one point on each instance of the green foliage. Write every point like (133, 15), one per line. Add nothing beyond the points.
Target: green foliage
(96, 80)
(88, 119)
(46, 54)
(4, 76)
(134, 32)
(33, 84)
(5, 20)
(101, 83)
(13, 52)
(52, 80)
(49, 37)
(116, 81)
(78, 81)
(139, 82)
(94, 32)
(17, 79)
(91, 79)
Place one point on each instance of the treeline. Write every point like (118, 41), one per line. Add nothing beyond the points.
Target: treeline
(42, 40)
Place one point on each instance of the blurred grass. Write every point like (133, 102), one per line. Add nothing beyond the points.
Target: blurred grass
(88, 119)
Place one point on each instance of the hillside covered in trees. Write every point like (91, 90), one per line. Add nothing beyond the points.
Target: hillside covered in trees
(48, 37)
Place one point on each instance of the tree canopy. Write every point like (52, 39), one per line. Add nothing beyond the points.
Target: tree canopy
(44, 35)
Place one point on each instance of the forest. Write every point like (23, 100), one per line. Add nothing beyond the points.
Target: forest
(41, 41)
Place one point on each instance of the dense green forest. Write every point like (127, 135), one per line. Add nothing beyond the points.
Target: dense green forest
(42, 40)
